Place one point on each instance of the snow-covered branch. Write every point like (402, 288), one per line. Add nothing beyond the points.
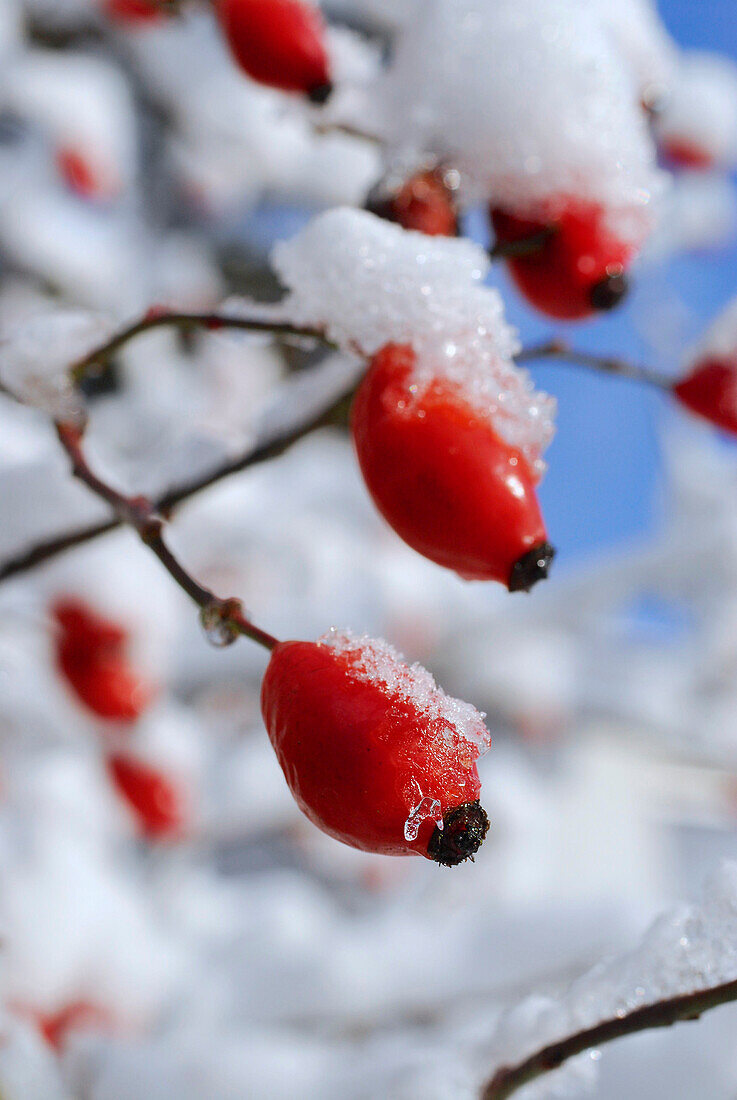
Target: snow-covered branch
(688, 1006)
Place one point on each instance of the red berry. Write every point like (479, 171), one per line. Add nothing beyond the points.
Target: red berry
(77, 173)
(710, 390)
(76, 1016)
(131, 11)
(280, 43)
(443, 479)
(424, 203)
(682, 153)
(577, 269)
(91, 656)
(373, 752)
(153, 799)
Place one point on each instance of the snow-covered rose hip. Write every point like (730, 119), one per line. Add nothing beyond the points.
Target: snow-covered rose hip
(373, 751)
(445, 480)
(570, 263)
(280, 43)
(91, 655)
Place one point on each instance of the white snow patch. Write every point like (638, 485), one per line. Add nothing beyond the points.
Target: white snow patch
(36, 356)
(529, 100)
(369, 283)
(691, 948)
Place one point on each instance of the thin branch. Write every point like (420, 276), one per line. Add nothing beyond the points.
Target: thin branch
(525, 246)
(182, 491)
(560, 351)
(687, 1006)
(169, 319)
(224, 617)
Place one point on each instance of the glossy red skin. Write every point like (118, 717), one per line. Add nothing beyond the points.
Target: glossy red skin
(558, 279)
(280, 43)
(424, 204)
(710, 390)
(132, 11)
(352, 757)
(439, 474)
(91, 656)
(150, 795)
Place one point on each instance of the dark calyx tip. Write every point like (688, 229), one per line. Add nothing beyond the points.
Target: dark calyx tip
(321, 93)
(531, 568)
(461, 837)
(608, 293)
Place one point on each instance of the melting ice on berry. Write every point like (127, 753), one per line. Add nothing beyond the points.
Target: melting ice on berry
(369, 283)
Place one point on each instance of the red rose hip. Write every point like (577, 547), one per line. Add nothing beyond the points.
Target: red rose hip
(710, 391)
(570, 264)
(280, 43)
(91, 656)
(424, 203)
(440, 475)
(375, 754)
(152, 798)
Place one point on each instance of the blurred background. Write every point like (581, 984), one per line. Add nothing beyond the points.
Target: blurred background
(219, 947)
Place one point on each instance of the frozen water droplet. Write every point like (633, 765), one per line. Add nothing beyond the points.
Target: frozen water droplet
(427, 808)
(219, 629)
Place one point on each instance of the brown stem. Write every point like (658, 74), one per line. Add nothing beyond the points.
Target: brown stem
(226, 615)
(167, 319)
(687, 1006)
(525, 246)
(560, 351)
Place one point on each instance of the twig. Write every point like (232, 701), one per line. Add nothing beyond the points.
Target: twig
(177, 494)
(224, 616)
(525, 246)
(687, 1006)
(169, 319)
(560, 351)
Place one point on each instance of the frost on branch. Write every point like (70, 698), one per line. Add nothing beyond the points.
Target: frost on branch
(36, 357)
(530, 102)
(369, 283)
(692, 948)
(373, 660)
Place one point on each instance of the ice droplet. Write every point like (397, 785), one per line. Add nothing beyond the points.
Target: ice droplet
(427, 807)
(219, 629)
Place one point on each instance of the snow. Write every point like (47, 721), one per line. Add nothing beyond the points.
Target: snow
(642, 38)
(529, 101)
(369, 283)
(36, 355)
(701, 110)
(692, 947)
(374, 661)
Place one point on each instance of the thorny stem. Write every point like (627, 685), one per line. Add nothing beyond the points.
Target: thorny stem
(140, 514)
(687, 1006)
(154, 319)
(560, 351)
